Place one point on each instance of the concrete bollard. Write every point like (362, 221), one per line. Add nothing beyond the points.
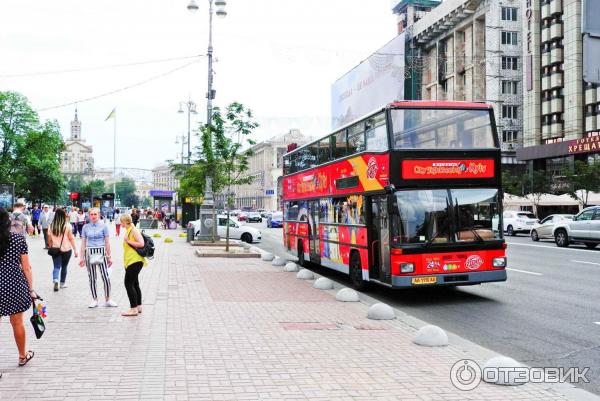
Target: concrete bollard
(508, 376)
(380, 311)
(323, 283)
(305, 274)
(267, 257)
(431, 336)
(290, 267)
(347, 295)
(278, 261)
(290, 257)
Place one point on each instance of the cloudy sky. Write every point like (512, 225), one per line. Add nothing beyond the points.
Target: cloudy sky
(278, 57)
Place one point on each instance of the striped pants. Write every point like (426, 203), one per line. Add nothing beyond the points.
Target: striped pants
(92, 271)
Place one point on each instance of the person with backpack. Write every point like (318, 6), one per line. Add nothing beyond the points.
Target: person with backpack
(60, 235)
(133, 263)
(19, 222)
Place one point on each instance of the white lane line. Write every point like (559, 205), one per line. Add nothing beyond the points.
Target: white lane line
(556, 248)
(598, 323)
(587, 263)
(524, 271)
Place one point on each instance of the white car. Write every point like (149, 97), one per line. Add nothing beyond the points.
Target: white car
(237, 229)
(545, 228)
(518, 222)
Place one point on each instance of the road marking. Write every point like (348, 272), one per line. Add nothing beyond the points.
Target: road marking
(598, 323)
(524, 271)
(587, 263)
(552, 247)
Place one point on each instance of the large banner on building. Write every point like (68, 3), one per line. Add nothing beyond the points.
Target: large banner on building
(371, 84)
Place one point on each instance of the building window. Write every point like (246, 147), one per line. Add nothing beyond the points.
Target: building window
(509, 38)
(509, 87)
(509, 63)
(510, 136)
(509, 111)
(509, 13)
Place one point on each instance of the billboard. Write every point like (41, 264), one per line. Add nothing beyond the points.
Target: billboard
(7, 195)
(371, 84)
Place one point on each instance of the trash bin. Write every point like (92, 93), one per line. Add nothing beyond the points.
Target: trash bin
(190, 234)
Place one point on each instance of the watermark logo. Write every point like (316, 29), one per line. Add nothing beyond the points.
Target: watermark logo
(466, 375)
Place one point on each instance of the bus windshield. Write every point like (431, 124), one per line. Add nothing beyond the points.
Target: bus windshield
(437, 216)
(442, 129)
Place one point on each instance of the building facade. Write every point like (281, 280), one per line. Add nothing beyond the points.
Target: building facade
(266, 169)
(77, 158)
(561, 123)
(469, 50)
(163, 178)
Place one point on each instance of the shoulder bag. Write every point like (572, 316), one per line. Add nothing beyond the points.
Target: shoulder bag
(54, 251)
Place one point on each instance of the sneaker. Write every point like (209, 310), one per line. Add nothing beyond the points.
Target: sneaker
(94, 304)
(110, 304)
(63, 285)
(55, 286)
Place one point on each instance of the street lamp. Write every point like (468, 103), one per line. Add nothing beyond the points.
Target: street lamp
(183, 143)
(191, 109)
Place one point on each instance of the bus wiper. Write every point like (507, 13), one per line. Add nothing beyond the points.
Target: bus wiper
(475, 233)
(430, 240)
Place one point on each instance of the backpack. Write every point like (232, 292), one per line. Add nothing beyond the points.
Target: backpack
(18, 223)
(147, 250)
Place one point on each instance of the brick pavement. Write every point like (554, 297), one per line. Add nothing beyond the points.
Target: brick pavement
(225, 329)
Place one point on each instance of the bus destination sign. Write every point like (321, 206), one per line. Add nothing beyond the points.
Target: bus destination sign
(443, 169)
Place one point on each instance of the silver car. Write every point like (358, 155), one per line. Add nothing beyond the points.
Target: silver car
(545, 228)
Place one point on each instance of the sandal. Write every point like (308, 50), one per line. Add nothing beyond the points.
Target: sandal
(28, 357)
(128, 314)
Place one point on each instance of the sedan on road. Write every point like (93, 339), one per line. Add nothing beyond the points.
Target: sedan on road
(545, 228)
(237, 230)
(275, 220)
(254, 217)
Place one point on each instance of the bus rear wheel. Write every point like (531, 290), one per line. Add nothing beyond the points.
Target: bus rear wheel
(356, 272)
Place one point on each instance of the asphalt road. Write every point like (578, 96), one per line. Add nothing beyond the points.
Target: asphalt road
(546, 314)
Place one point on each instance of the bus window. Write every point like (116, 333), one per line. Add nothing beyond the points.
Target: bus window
(376, 133)
(324, 151)
(356, 138)
(313, 151)
(302, 159)
(291, 210)
(339, 145)
(286, 165)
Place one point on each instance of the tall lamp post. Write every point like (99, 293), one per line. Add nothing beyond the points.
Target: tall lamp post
(191, 109)
(210, 93)
(183, 143)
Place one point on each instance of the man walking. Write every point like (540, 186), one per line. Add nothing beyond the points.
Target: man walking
(45, 220)
(19, 222)
(35, 219)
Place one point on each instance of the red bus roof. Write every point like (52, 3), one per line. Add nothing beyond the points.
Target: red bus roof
(436, 103)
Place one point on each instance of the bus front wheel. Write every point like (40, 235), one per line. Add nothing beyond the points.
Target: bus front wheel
(356, 272)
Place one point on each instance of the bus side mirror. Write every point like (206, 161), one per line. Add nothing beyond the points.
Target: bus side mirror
(392, 204)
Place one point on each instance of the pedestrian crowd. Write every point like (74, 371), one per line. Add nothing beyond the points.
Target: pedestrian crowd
(59, 227)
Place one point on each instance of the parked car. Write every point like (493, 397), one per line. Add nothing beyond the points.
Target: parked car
(237, 230)
(584, 229)
(242, 216)
(254, 217)
(275, 220)
(518, 222)
(545, 228)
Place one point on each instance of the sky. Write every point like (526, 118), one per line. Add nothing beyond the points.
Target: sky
(277, 57)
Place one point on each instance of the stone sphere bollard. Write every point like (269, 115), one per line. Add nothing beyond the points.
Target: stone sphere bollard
(431, 336)
(305, 274)
(290, 258)
(506, 377)
(347, 295)
(290, 267)
(381, 311)
(267, 257)
(278, 261)
(323, 283)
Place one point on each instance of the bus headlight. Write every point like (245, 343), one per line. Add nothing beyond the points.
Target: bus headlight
(407, 267)
(499, 262)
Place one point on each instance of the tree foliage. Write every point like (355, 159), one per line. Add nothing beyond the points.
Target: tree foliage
(29, 150)
(583, 178)
(126, 192)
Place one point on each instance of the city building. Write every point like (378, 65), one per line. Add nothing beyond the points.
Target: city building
(265, 166)
(560, 116)
(468, 50)
(77, 158)
(163, 178)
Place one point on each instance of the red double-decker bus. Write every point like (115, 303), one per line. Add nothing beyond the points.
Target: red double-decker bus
(408, 196)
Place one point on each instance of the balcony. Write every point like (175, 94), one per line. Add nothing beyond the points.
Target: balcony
(545, 107)
(545, 34)
(546, 131)
(545, 11)
(556, 130)
(555, 31)
(509, 146)
(590, 95)
(556, 105)
(556, 7)
(590, 123)
(556, 55)
(556, 80)
(546, 59)
(545, 83)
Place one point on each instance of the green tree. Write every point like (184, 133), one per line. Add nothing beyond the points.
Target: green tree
(126, 192)
(93, 188)
(583, 178)
(539, 184)
(513, 184)
(75, 183)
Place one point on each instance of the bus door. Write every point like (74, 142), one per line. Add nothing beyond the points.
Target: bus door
(380, 244)
(314, 240)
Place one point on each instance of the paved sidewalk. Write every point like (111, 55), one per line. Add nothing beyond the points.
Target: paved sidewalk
(225, 329)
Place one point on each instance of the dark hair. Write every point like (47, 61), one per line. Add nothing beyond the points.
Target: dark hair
(59, 222)
(4, 231)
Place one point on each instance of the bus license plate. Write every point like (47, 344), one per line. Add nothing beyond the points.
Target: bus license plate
(424, 280)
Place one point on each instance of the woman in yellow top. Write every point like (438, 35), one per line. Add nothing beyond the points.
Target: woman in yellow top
(133, 265)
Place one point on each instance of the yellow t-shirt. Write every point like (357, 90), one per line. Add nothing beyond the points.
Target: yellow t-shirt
(130, 256)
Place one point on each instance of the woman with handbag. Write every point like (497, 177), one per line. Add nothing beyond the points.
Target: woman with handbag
(95, 255)
(16, 283)
(133, 265)
(62, 244)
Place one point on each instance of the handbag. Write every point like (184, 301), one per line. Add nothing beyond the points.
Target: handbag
(54, 251)
(96, 258)
(37, 320)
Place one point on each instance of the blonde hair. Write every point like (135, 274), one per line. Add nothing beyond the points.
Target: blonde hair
(126, 218)
(94, 209)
